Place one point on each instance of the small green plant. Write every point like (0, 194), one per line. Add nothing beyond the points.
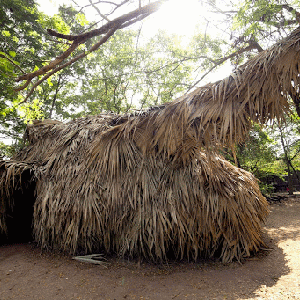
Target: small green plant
(266, 188)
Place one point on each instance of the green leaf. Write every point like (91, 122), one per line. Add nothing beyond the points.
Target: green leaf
(15, 39)
(49, 82)
(12, 53)
(80, 18)
(5, 33)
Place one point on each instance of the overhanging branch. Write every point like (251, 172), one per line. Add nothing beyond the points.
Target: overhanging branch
(107, 30)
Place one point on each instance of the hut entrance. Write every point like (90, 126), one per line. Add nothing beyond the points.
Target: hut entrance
(19, 218)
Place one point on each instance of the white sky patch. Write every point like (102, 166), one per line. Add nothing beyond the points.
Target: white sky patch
(176, 17)
(49, 7)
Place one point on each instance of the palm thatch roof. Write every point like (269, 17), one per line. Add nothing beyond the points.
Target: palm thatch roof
(151, 183)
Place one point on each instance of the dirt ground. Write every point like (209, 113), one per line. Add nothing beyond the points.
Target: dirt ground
(28, 273)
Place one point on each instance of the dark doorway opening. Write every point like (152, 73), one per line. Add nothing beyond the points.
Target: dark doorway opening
(19, 217)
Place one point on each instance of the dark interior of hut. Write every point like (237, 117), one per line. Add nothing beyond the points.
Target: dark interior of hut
(19, 217)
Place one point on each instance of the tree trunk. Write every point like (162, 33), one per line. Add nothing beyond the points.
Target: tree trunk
(288, 163)
(290, 180)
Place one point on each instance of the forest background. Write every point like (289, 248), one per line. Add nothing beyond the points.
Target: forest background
(136, 68)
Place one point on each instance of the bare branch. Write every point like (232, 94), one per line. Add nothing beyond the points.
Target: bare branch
(98, 11)
(106, 2)
(252, 45)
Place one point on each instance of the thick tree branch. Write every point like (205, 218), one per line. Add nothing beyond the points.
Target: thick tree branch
(51, 65)
(108, 29)
(146, 10)
(76, 58)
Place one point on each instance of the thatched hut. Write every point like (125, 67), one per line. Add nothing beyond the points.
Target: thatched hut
(151, 184)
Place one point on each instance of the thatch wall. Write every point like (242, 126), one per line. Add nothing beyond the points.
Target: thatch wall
(125, 202)
(151, 183)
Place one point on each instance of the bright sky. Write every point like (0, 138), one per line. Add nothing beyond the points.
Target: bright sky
(176, 16)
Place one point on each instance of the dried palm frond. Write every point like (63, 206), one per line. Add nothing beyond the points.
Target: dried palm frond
(151, 183)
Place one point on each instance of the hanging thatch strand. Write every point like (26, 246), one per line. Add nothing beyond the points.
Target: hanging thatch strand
(147, 184)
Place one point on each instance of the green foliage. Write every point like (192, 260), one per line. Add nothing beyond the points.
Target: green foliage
(24, 46)
(31, 110)
(266, 151)
(263, 20)
(125, 74)
(266, 189)
(165, 73)
(80, 19)
(206, 50)
(257, 155)
(287, 136)
(7, 151)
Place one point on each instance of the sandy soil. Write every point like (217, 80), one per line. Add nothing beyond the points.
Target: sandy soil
(28, 273)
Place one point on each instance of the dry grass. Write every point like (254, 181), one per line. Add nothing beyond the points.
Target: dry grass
(150, 184)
